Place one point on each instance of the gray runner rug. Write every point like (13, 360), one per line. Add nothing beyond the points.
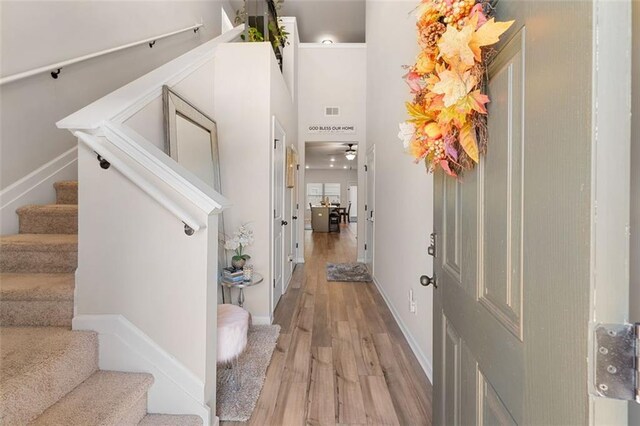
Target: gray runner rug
(253, 363)
(356, 272)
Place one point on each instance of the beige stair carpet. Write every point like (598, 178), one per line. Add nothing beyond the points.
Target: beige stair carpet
(36, 299)
(66, 192)
(49, 219)
(105, 398)
(39, 366)
(49, 374)
(39, 253)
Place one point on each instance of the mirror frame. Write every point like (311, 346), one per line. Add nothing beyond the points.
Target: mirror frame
(173, 106)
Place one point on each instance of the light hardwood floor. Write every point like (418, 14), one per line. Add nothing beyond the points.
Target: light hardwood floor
(340, 358)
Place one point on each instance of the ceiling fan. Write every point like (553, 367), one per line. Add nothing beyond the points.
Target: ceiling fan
(350, 153)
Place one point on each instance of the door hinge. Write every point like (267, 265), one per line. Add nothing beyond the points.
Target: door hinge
(297, 166)
(617, 349)
(432, 250)
(296, 245)
(365, 246)
(365, 207)
(274, 283)
(366, 169)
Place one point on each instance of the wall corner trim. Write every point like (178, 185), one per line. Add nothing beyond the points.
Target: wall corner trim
(425, 363)
(124, 347)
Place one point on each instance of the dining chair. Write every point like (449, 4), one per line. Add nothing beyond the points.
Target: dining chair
(346, 214)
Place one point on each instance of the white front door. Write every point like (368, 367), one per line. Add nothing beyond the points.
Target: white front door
(278, 248)
(369, 207)
(532, 246)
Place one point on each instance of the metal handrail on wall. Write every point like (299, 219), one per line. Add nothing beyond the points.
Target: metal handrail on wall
(56, 68)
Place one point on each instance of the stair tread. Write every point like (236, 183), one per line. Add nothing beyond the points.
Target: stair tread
(25, 349)
(51, 209)
(39, 365)
(66, 184)
(103, 399)
(170, 420)
(39, 242)
(21, 287)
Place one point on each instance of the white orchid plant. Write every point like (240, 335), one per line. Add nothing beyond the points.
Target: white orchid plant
(242, 238)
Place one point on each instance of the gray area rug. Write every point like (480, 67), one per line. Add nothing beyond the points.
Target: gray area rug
(356, 272)
(253, 363)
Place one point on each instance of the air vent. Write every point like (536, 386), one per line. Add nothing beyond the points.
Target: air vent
(333, 111)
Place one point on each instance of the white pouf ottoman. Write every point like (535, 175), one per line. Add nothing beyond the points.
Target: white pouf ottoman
(233, 327)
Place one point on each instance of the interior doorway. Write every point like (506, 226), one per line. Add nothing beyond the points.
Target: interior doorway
(330, 187)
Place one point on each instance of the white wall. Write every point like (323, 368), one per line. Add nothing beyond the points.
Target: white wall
(333, 75)
(37, 33)
(249, 90)
(343, 177)
(404, 191)
(634, 300)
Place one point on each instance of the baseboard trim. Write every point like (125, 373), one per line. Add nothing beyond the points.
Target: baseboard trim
(422, 359)
(36, 188)
(261, 320)
(124, 347)
(300, 260)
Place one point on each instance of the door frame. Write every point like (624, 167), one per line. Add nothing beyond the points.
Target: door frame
(295, 207)
(369, 240)
(276, 129)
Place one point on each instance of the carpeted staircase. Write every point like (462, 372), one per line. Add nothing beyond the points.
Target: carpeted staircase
(48, 373)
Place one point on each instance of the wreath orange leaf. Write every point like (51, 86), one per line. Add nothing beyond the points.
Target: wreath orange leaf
(445, 128)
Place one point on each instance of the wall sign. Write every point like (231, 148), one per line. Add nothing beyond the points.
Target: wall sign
(332, 129)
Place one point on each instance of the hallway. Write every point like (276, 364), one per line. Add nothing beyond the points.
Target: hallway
(340, 357)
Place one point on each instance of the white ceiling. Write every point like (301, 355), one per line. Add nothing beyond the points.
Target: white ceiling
(318, 155)
(342, 21)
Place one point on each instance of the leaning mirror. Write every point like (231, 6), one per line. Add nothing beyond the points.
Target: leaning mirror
(191, 139)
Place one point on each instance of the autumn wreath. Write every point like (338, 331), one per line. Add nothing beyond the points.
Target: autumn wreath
(448, 127)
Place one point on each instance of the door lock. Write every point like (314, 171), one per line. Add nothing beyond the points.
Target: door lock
(284, 223)
(426, 280)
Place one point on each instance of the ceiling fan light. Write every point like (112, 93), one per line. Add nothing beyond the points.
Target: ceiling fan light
(350, 154)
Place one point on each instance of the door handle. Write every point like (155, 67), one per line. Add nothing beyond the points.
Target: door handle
(294, 217)
(284, 223)
(426, 280)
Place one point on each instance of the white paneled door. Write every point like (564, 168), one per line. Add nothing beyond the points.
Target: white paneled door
(279, 222)
(532, 246)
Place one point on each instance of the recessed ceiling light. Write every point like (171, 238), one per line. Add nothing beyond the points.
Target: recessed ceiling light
(330, 165)
(344, 167)
(332, 159)
(327, 41)
(306, 167)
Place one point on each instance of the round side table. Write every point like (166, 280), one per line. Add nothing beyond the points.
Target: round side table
(256, 279)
